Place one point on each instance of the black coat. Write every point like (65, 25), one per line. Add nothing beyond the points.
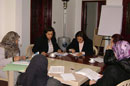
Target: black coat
(87, 47)
(41, 45)
(115, 72)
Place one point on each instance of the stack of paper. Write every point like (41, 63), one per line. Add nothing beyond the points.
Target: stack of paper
(92, 75)
(68, 76)
(56, 69)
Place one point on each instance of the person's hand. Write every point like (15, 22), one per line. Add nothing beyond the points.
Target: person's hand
(91, 82)
(23, 57)
(79, 54)
(72, 50)
(16, 58)
(109, 47)
(44, 53)
(59, 51)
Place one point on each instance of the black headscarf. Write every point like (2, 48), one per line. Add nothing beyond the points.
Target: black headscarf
(36, 72)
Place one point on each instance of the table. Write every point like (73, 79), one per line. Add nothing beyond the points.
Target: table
(68, 62)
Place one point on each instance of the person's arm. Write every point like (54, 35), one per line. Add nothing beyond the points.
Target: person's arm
(37, 46)
(109, 57)
(55, 45)
(89, 48)
(107, 78)
(72, 45)
(3, 60)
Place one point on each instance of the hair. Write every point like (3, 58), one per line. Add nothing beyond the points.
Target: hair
(116, 38)
(81, 34)
(9, 43)
(47, 30)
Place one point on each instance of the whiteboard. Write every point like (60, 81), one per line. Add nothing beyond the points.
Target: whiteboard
(110, 20)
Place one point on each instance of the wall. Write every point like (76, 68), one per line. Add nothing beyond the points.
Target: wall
(15, 16)
(57, 17)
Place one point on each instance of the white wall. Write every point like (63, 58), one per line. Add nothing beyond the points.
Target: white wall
(57, 17)
(15, 16)
(114, 2)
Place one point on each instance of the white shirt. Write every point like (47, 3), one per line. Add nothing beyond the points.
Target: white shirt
(50, 46)
(81, 46)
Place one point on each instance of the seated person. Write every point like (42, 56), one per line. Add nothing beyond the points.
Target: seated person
(117, 59)
(37, 74)
(46, 43)
(9, 51)
(82, 44)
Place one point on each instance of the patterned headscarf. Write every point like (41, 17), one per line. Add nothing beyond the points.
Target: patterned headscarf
(122, 50)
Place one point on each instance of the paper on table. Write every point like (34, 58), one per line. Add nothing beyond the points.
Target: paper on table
(92, 75)
(21, 62)
(68, 76)
(56, 69)
(61, 54)
(98, 59)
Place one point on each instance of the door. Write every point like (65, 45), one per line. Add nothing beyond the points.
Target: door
(90, 16)
(126, 20)
(41, 16)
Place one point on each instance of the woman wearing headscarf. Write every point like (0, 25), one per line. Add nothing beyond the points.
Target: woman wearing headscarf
(117, 59)
(37, 74)
(46, 43)
(9, 50)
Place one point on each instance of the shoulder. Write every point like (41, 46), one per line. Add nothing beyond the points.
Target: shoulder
(88, 40)
(125, 64)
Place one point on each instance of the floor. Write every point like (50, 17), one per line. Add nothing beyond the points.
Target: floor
(3, 83)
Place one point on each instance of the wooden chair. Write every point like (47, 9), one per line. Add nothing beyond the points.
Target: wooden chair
(124, 83)
(95, 50)
(29, 52)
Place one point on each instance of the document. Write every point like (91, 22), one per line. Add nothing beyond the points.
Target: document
(98, 59)
(56, 69)
(68, 76)
(92, 75)
(21, 62)
(61, 54)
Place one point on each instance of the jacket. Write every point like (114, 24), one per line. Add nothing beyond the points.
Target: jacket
(115, 71)
(41, 45)
(87, 47)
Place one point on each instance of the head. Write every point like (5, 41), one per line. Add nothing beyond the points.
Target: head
(11, 38)
(10, 43)
(122, 50)
(80, 36)
(49, 33)
(116, 38)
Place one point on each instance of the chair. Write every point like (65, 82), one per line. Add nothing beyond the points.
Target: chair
(124, 83)
(29, 52)
(95, 50)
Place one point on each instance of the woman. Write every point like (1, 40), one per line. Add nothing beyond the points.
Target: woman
(9, 50)
(82, 44)
(117, 58)
(46, 43)
(37, 74)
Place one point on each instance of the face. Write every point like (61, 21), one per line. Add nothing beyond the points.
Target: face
(49, 35)
(17, 41)
(80, 39)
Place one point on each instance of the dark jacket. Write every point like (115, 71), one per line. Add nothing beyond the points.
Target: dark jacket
(36, 73)
(87, 47)
(115, 72)
(41, 45)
